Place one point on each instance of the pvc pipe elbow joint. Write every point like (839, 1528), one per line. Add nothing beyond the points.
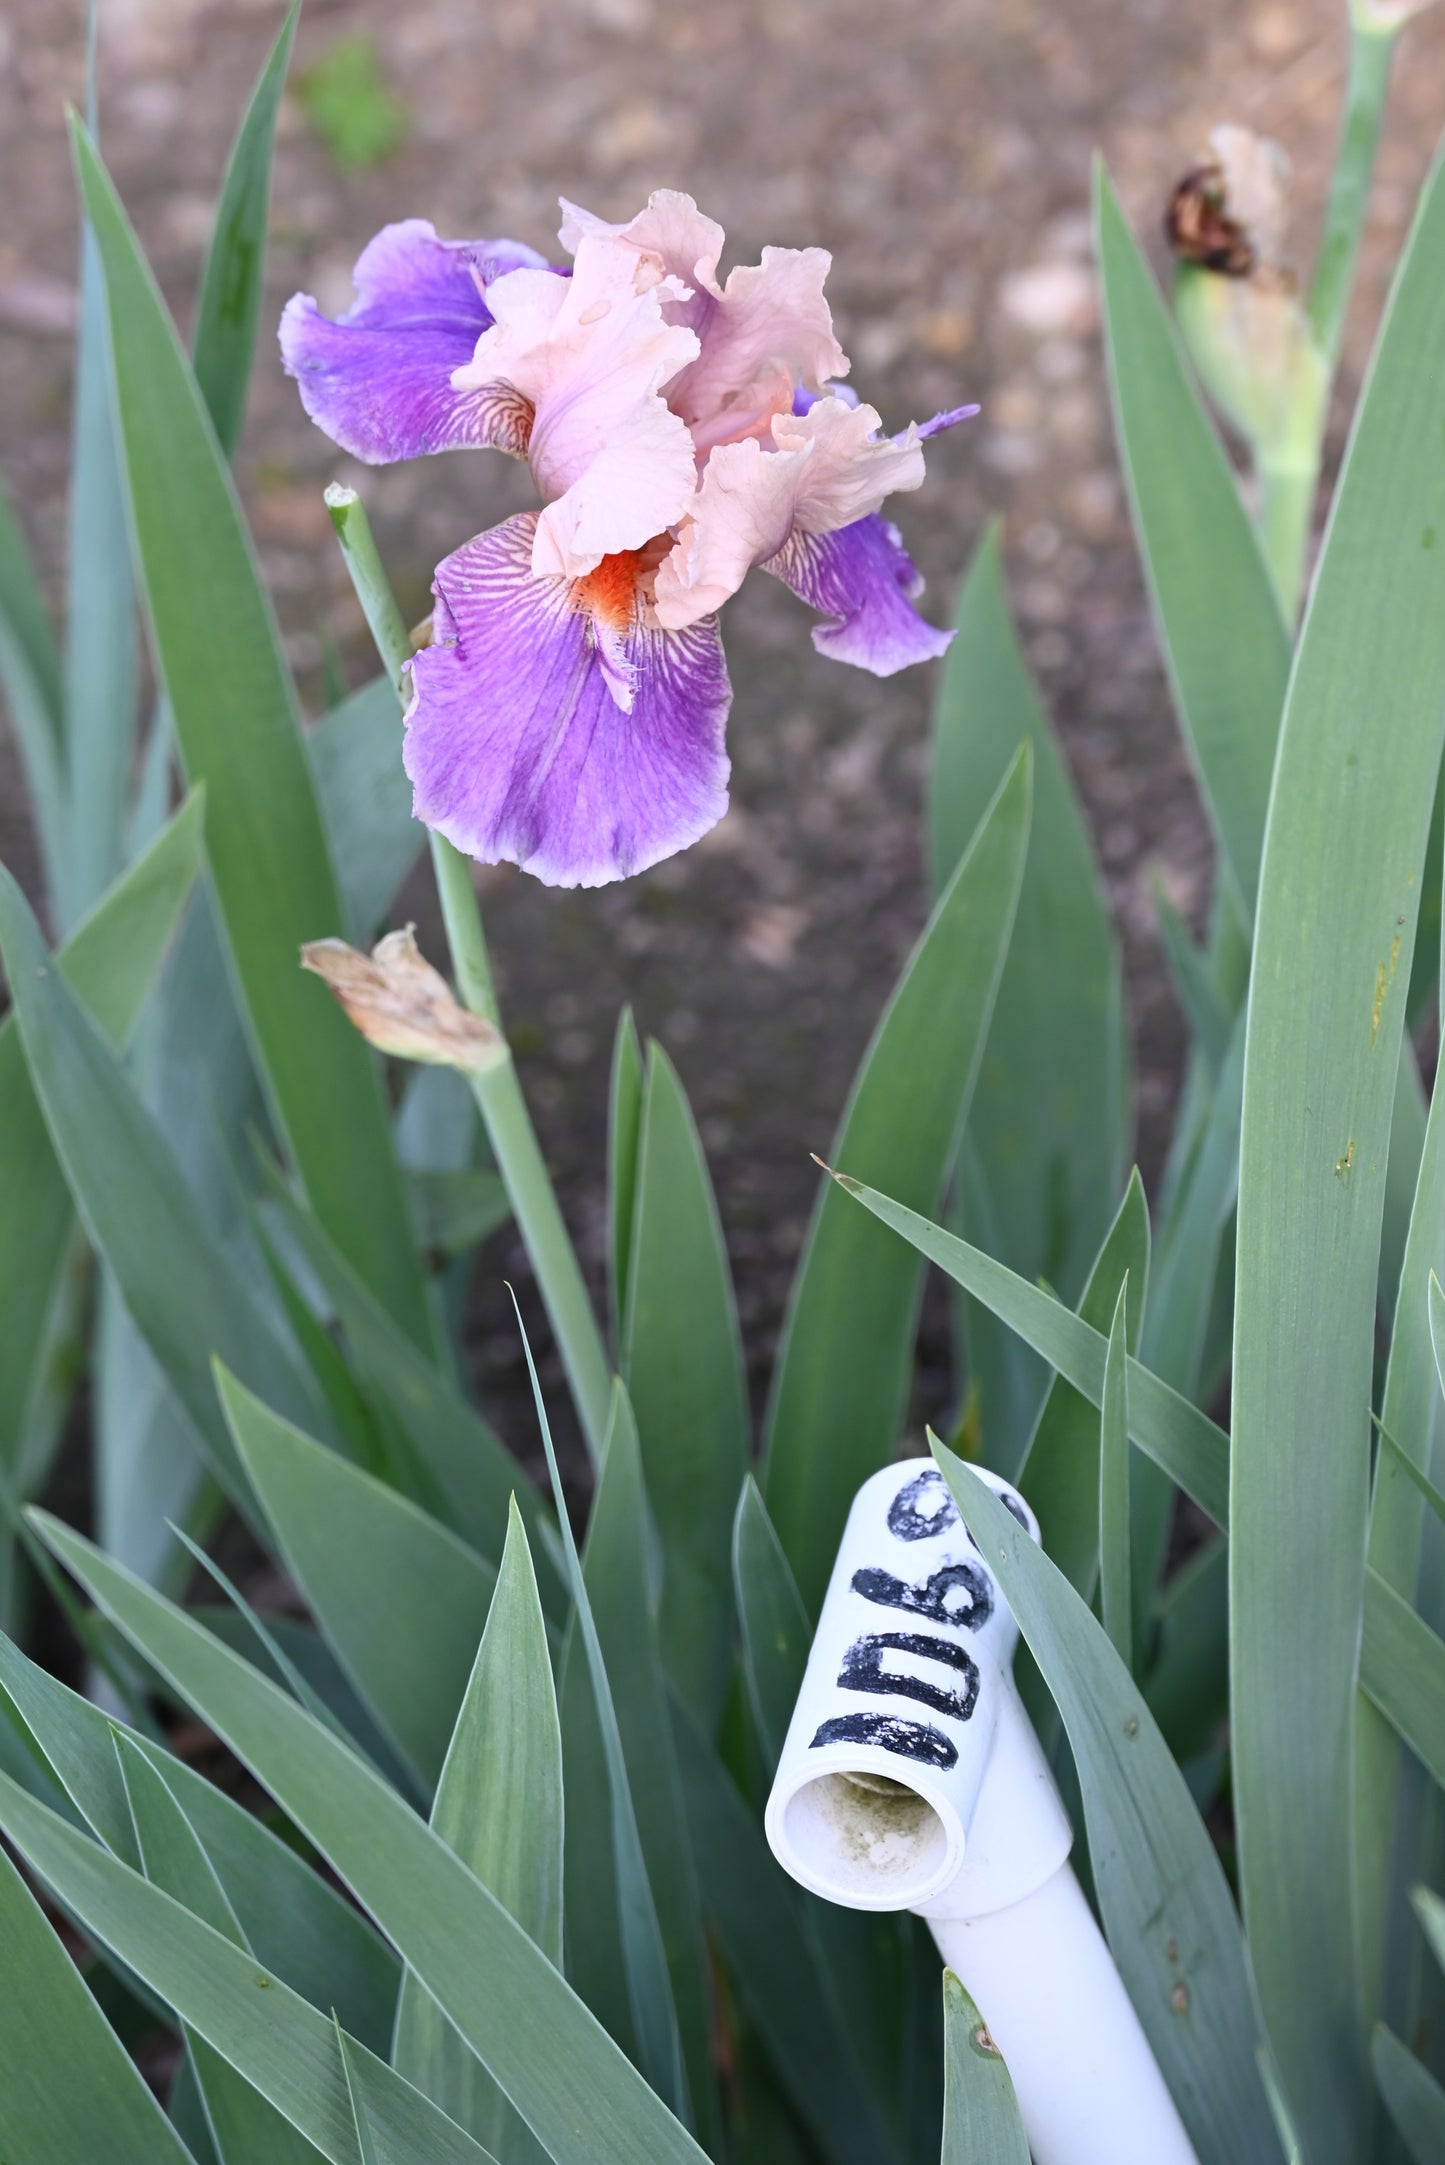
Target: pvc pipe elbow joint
(911, 1778)
(908, 1700)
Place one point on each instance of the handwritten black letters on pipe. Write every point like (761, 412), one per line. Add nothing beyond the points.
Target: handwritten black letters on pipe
(959, 1597)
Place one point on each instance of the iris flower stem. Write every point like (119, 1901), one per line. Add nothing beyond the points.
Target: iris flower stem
(460, 913)
(1288, 483)
(462, 916)
(498, 1091)
(1286, 506)
(1372, 49)
(534, 1205)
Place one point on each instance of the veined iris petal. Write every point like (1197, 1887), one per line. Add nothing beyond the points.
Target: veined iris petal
(550, 726)
(864, 581)
(378, 379)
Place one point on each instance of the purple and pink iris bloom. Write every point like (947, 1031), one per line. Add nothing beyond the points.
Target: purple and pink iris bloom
(569, 713)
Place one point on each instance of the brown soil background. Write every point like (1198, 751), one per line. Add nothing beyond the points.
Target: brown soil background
(941, 149)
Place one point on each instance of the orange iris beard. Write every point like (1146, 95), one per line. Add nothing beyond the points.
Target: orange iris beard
(609, 593)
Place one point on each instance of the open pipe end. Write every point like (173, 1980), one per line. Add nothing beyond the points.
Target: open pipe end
(864, 1839)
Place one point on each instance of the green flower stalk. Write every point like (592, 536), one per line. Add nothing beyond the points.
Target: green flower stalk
(493, 1077)
(394, 645)
(1374, 26)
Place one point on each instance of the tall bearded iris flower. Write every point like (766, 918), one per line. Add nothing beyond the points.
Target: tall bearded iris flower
(568, 715)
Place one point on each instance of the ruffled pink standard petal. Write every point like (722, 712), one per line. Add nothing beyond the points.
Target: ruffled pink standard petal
(612, 464)
(852, 467)
(770, 331)
(683, 242)
(863, 579)
(378, 380)
(826, 469)
(766, 331)
(743, 512)
(550, 728)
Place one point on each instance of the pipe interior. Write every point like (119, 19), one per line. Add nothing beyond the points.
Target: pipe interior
(865, 1836)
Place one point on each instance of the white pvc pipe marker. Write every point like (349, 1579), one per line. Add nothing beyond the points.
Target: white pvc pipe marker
(911, 1778)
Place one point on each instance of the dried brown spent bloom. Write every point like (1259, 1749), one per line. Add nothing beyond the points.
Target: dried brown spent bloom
(1238, 306)
(1199, 229)
(402, 1005)
(1228, 214)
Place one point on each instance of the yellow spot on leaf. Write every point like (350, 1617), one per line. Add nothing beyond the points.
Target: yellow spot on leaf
(1384, 979)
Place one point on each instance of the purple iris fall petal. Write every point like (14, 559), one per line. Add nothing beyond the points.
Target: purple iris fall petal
(549, 728)
(862, 578)
(378, 379)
